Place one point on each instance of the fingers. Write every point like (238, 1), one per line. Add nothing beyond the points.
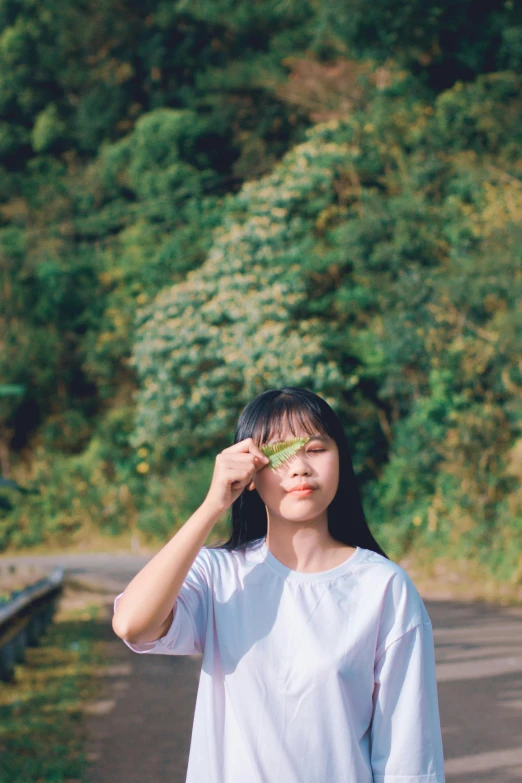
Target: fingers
(248, 446)
(238, 464)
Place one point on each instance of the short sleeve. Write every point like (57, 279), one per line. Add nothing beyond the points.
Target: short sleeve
(402, 609)
(406, 742)
(187, 631)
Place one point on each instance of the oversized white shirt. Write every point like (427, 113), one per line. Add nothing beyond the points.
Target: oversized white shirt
(324, 677)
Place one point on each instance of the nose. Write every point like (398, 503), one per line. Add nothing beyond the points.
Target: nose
(298, 466)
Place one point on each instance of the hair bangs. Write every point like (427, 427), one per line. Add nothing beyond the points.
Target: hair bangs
(289, 409)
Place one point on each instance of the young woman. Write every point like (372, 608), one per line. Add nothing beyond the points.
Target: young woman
(318, 659)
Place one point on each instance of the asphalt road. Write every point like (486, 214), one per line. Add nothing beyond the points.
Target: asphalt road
(140, 730)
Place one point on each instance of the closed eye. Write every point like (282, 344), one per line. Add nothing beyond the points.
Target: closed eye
(315, 451)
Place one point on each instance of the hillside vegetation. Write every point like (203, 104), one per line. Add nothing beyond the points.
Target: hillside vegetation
(201, 202)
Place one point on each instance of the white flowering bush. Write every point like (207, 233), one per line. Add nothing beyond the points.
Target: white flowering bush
(235, 327)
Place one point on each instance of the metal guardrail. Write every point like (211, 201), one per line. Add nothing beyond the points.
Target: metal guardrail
(25, 617)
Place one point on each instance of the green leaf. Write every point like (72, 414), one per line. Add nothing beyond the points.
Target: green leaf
(280, 452)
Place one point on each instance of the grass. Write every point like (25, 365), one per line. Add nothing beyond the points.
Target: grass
(41, 732)
(92, 542)
(443, 578)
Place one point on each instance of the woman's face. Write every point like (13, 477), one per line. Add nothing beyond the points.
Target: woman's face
(316, 463)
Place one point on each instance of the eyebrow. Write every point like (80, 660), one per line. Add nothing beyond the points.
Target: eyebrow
(323, 438)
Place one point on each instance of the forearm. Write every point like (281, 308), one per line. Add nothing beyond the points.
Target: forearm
(148, 599)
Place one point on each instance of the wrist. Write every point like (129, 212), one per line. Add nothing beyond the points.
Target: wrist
(213, 508)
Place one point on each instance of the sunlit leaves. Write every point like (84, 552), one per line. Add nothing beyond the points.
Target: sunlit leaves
(229, 331)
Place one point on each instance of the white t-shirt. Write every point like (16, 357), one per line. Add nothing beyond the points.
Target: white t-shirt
(322, 677)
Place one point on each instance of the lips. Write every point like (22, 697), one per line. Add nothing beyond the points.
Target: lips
(301, 488)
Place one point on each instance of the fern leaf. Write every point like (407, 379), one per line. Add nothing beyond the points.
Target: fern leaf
(280, 452)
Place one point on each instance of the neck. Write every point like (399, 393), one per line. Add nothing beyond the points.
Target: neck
(302, 546)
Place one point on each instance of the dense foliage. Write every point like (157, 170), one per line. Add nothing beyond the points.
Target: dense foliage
(200, 203)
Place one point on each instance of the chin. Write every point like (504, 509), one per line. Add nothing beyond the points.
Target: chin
(301, 514)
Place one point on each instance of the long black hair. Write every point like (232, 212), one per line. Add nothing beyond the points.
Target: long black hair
(263, 418)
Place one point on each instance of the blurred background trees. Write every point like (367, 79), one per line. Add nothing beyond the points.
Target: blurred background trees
(202, 201)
